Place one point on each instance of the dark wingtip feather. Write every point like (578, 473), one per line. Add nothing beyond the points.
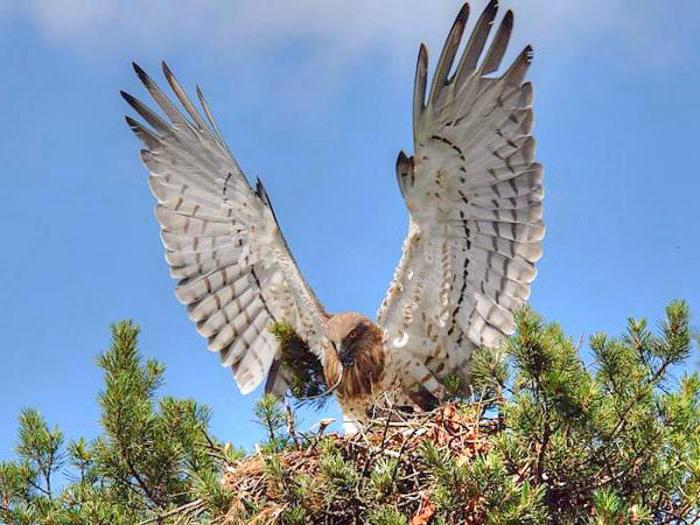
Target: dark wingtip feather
(209, 115)
(144, 111)
(146, 136)
(181, 94)
(448, 53)
(477, 42)
(401, 159)
(421, 71)
(508, 20)
(491, 10)
(493, 4)
(403, 167)
(463, 14)
(166, 70)
(422, 51)
(499, 45)
(132, 101)
(133, 125)
(420, 84)
(260, 191)
(143, 76)
(518, 69)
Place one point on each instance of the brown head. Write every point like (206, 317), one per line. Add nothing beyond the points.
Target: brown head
(357, 352)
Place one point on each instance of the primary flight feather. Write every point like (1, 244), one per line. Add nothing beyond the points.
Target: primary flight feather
(474, 196)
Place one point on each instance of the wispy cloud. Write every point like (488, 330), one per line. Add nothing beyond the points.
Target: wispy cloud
(342, 27)
(330, 35)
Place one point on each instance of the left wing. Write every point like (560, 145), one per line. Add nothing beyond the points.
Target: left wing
(222, 241)
(474, 195)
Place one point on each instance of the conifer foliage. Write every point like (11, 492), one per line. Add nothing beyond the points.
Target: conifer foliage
(152, 455)
(542, 436)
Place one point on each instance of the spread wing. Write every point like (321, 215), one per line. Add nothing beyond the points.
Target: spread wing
(474, 196)
(235, 272)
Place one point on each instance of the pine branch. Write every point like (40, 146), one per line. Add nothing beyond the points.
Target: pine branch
(566, 445)
(182, 509)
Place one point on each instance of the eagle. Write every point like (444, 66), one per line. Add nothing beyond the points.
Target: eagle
(474, 196)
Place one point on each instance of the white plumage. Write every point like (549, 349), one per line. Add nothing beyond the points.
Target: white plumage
(474, 196)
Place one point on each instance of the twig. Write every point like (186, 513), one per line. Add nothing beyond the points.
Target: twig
(187, 507)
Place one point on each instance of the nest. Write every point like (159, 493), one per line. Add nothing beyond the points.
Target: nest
(341, 479)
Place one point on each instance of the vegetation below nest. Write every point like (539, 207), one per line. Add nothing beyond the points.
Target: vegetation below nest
(542, 438)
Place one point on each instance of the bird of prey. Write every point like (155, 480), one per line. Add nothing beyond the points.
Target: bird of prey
(474, 198)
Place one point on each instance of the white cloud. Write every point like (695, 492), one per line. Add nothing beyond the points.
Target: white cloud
(340, 27)
(328, 35)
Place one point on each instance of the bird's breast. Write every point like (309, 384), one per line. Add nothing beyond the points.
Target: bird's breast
(364, 378)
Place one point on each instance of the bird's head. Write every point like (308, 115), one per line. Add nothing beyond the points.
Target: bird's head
(349, 332)
(355, 358)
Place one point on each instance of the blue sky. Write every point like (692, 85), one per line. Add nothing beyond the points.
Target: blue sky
(314, 97)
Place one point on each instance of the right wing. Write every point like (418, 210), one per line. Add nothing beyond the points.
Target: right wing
(222, 241)
(474, 194)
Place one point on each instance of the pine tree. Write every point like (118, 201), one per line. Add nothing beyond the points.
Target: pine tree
(540, 436)
(153, 455)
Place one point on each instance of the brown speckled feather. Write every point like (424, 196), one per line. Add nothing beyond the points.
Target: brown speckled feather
(222, 241)
(474, 196)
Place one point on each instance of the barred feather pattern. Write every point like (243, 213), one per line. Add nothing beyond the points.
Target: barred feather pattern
(474, 195)
(222, 241)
